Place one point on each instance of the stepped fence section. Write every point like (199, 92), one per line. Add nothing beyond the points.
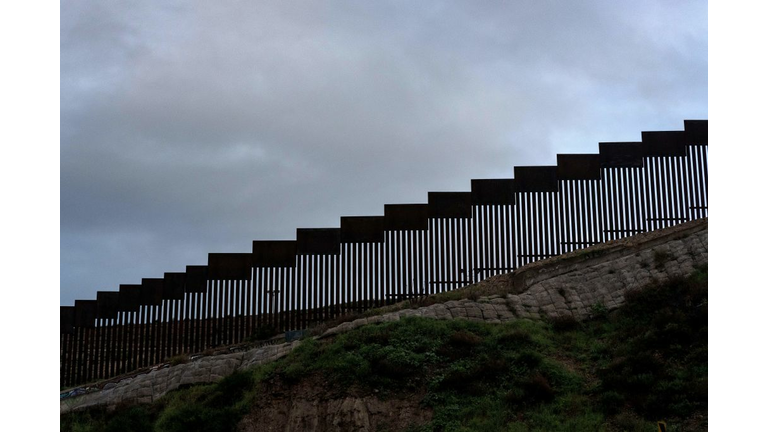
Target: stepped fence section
(413, 250)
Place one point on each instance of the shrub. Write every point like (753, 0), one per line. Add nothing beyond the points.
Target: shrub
(611, 402)
(133, 419)
(464, 339)
(514, 338)
(537, 388)
(529, 359)
(231, 389)
(564, 323)
(598, 310)
(197, 417)
(178, 359)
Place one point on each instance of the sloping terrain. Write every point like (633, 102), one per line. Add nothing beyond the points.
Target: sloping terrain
(619, 370)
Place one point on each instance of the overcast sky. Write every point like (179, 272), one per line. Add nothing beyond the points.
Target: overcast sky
(196, 127)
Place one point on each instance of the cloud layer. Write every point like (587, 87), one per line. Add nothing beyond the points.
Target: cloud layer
(196, 127)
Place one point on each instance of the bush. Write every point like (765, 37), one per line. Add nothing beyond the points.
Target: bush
(133, 419)
(564, 323)
(464, 339)
(514, 338)
(611, 402)
(598, 311)
(197, 417)
(537, 389)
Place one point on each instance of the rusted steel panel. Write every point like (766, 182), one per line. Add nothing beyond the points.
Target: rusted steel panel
(229, 266)
(536, 179)
(196, 278)
(696, 132)
(621, 154)
(578, 166)
(130, 298)
(493, 191)
(362, 229)
(107, 304)
(173, 286)
(450, 204)
(274, 253)
(406, 217)
(666, 143)
(152, 292)
(66, 319)
(85, 313)
(318, 241)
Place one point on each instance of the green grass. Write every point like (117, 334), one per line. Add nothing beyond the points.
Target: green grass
(621, 370)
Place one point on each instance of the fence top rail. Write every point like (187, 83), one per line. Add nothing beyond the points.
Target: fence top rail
(493, 191)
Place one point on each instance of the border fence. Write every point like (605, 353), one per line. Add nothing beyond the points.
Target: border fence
(412, 250)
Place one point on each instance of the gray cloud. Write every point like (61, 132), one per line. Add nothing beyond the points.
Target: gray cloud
(194, 127)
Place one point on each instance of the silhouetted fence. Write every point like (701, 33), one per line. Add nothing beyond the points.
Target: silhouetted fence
(413, 250)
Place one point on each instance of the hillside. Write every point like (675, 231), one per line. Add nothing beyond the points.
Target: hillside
(618, 370)
(612, 337)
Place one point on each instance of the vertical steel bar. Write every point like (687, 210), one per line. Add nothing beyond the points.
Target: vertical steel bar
(370, 249)
(145, 335)
(705, 165)
(382, 274)
(347, 273)
(305, 289)
(518, 230)
(681, 189)
(539, 226)
(669, 192)
(495, 216)
(638, 198)
(314, 289)
(465, 250)
(616, 190)
(583, 215)
(509, 263)
(561, 222)
(552, 242)
(476, 235)
(389, 271)
(431, 223)
(440, 254)
(422, 239)
(450, 249)
(626, 201)
(360, 277)
(657, 196)
(279, 296)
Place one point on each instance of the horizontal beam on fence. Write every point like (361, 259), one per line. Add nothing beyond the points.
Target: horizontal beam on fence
(362, 229)
(318, 241)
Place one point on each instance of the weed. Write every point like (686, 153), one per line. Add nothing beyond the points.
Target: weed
(464, 339)
(178, 359)
(598, 310)
(132, 419)
(514, 338)
(630, 423)
(537, 388)
(660, 257)
(473, 294)
(564, 323)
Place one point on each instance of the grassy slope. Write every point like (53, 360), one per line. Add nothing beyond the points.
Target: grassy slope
(618, 371)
